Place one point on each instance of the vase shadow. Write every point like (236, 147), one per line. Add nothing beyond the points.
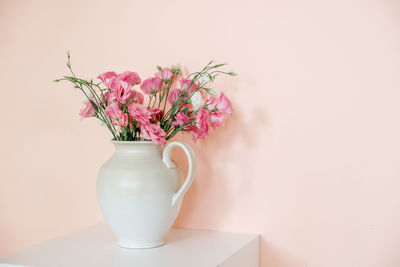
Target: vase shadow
(220, 183)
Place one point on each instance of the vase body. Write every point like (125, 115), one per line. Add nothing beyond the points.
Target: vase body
(137, 190)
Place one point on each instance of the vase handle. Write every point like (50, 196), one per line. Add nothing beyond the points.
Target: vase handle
(170, 164)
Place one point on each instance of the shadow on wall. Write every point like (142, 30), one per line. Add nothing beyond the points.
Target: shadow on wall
(209, 202)
(274, 257)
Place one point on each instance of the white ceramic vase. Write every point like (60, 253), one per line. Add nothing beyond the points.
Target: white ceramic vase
(140, 191)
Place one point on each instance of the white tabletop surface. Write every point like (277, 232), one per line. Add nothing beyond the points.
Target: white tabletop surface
(97, 246)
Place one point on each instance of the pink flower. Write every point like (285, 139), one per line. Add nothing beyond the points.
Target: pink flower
(125, 80)
(165, 74)
(107, 78)
(216, 119)
(122, 119)
(117, 116)
(87, 111)
(112, 110)
(121, 85)
(137, 97)
(140, 113)
(202, 118)
(154, 133)
(173, 96)
(108, 98)
(184, 83)
(151, 85)
(155, 114)
(211, 102)
(202, 128)
(180, 119)
(224, 104)
(121, 94)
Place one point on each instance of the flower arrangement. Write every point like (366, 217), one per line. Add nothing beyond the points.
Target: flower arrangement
(169, 103)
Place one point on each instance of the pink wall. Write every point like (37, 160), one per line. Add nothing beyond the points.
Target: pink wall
(310, 159)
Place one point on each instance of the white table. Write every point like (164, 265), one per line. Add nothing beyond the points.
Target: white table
(96, 246)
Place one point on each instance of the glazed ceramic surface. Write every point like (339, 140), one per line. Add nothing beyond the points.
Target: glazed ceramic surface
(140, 191)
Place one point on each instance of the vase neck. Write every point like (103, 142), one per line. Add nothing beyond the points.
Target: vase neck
(137, 149)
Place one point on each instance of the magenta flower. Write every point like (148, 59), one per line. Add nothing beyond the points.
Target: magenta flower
(140, 113)
(154, 133)
(165, 74)
(151, 85)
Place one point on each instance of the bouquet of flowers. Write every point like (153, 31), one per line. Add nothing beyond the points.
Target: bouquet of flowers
(167, 104)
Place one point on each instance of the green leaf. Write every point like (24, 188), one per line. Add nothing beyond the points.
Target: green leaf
(210, 91)
(219, 65)
(185, 110)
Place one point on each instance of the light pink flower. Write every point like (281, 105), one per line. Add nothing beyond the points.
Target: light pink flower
(137, 97)
(151, 85)
(224, 104)
(154, 133)
(184, 83)
(180, 119)
(202, 128)
(196, 100)
(216, 119)
(165, 74)
(155, 114)
(173, 96)
(117, 116)
(87, 111)
(107, 78)
(140, 113)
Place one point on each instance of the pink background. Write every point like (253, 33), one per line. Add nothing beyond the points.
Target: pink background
(310, 158)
